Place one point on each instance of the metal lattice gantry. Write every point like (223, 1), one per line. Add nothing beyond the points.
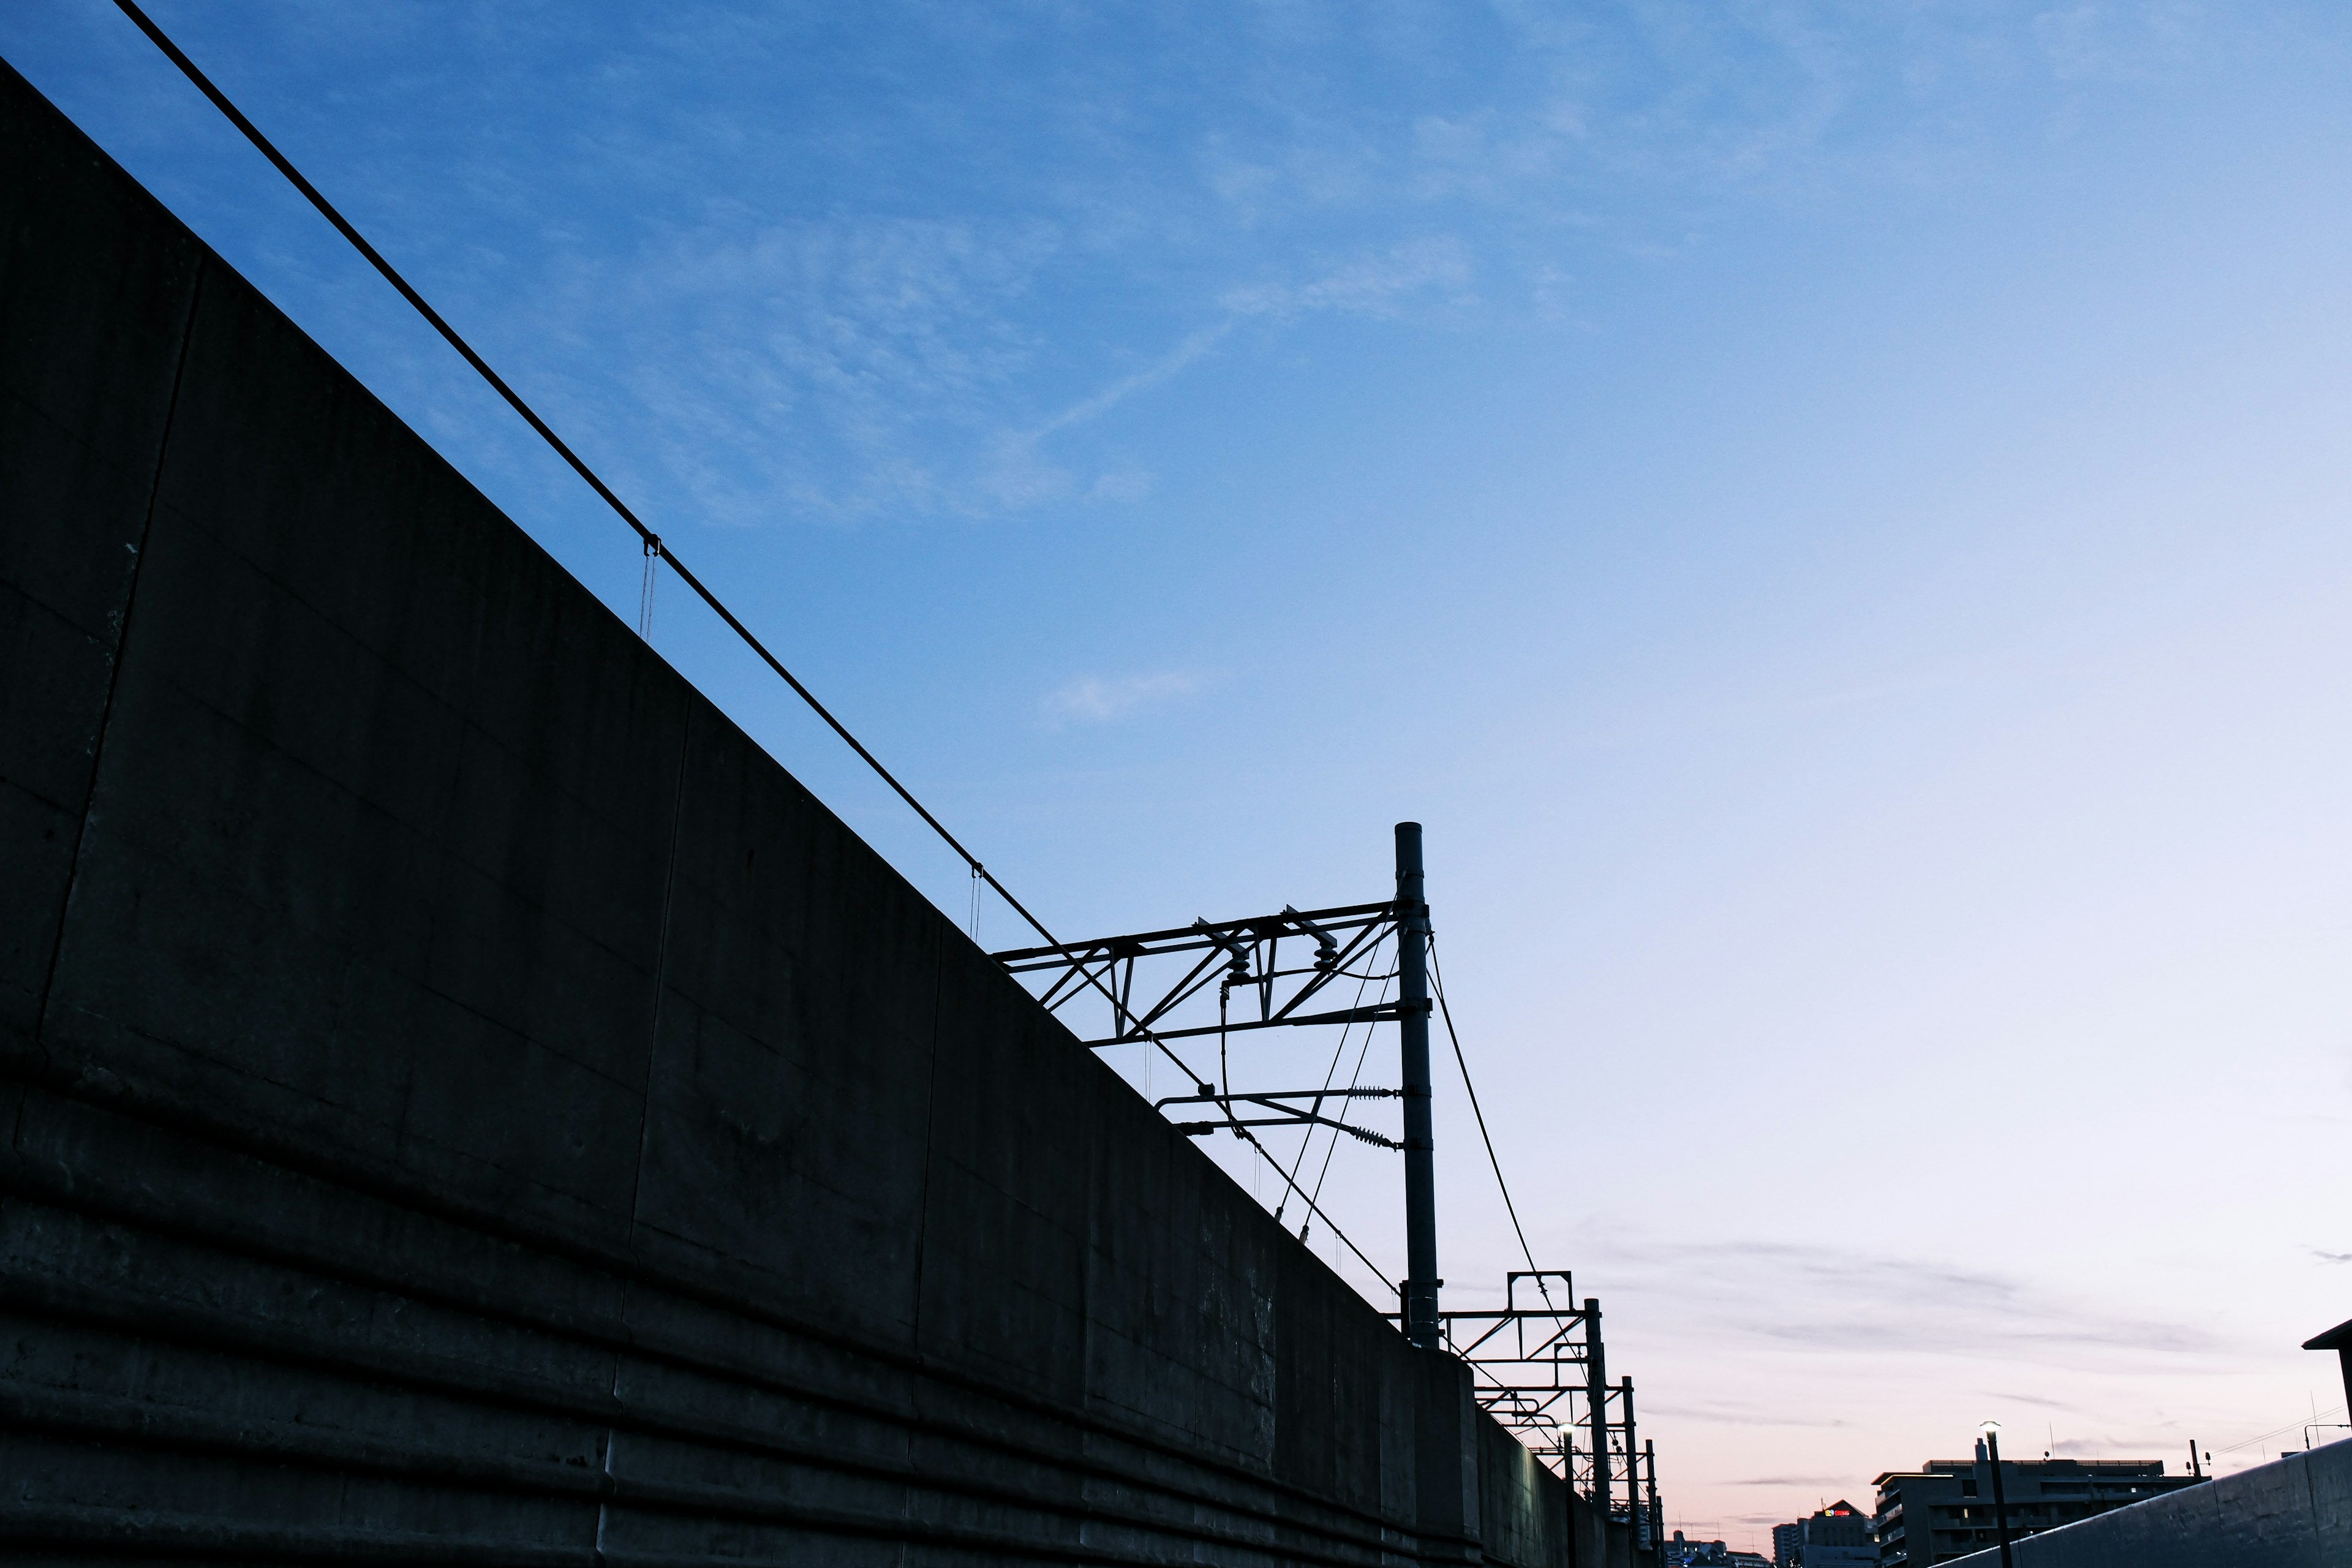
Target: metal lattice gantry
(1530, 1359)
(1243, 955)
(1153, 986)
(1538, 1366)
(1533, 1365)
(1280, 970)
(1538, 1363)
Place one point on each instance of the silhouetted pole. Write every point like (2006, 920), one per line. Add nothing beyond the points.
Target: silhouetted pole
(1596, 1395)
(1421, 1281)
(1658, 1514)
(1633, 1458)
(1568, 1495)
(1999, 1499)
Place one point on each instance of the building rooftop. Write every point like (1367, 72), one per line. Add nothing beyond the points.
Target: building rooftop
(2121, 1467)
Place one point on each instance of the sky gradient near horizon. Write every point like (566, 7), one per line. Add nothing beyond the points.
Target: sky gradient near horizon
(1835, 515)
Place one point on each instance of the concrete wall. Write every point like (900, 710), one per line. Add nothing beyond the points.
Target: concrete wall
(464, 1100)
(2294, 1513)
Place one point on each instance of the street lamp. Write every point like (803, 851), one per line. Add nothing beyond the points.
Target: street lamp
(1991, 1446)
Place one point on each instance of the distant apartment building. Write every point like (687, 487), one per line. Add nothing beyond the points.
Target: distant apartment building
(1839, 1536)
(1945, 1509)
(1684, 1553)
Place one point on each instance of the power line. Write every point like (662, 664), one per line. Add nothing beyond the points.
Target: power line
(2281, 1431)
(655, 546)
(1327, 1223)
(1306, 1144)
(1355, 1080)
(1438, 970)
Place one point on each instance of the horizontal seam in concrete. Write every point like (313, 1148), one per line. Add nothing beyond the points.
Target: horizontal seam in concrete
(76, 1415)
(466, 1382)
(624, 1340)
(152, 1532)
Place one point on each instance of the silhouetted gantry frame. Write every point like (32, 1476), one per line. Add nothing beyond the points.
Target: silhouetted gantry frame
(1538, 1365)
(1235, 955)
(1246, 958)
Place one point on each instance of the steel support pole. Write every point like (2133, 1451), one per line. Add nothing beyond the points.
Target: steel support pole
(1596, 1395)
(1656, 1514)
(1421, 1281)
(1632, 1452)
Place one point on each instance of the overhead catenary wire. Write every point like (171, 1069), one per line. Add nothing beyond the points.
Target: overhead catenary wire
(1306, 1143)
(1461, 1061)
(1437, 973)
(654, 543)
(1329, 1223)
(654, 547)
(1355, 1080)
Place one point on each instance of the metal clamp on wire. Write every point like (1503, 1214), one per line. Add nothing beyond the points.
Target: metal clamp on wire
(645, 588)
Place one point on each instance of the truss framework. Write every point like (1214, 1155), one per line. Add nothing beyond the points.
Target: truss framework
(1536, 1367)
(1236, 956)
(1529, 1361)
(1243, 958)
(1533, 1366)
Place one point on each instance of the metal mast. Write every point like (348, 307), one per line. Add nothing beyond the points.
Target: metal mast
(1596, 1400)
(1421, 1326)
(1632, 1455)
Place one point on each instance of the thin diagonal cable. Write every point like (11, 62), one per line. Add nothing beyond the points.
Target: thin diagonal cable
(2278, 1431)
(1355, 1080)
(653, 541)
(1306, 1143)
(514, 400)
(1328, 1223)
(1438, 973)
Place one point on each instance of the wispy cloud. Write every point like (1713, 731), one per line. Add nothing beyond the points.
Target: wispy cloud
(756, 295)
(1194, 345)
(1097, 700)
(2042, 1401)
(1854, 1302)
(1431, 268)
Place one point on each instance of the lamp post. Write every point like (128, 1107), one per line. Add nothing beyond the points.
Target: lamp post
(1999, 1496)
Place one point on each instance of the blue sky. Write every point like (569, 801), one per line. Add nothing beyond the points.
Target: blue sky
(1834, 516)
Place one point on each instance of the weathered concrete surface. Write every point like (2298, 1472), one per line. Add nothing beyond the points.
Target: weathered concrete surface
(2294, 1513)
(465, 1100)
